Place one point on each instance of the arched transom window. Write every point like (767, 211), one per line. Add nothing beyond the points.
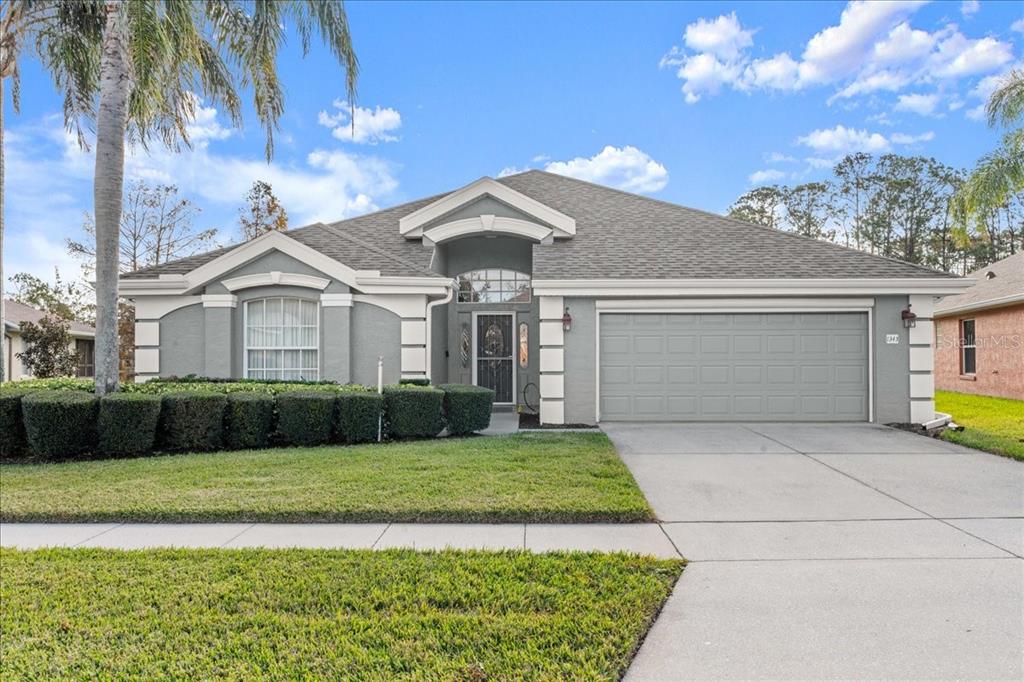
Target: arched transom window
(282, 338)
(494, 286)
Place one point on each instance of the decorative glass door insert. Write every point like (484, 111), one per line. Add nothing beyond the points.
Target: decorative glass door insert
(495, 355)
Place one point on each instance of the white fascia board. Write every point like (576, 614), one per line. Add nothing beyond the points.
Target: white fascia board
(748, 287)
(161, 285)
(999, 302)
(488, 224)
(275, 277)
(412, 224)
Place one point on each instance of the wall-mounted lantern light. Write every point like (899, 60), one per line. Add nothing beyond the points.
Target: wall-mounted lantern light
(909, 318)
(566, 321)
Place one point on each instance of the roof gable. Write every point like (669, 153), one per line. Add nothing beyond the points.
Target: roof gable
(413, 224)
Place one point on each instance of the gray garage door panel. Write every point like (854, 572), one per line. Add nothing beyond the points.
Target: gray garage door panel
(729, 367)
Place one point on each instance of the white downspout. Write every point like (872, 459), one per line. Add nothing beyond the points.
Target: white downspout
(450, 286)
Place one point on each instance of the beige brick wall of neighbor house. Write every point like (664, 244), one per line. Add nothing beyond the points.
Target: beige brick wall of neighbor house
(1000, 353)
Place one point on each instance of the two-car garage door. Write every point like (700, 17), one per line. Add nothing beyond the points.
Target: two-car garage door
(734, 366)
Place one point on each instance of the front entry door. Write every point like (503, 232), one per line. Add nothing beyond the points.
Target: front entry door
(494, 364)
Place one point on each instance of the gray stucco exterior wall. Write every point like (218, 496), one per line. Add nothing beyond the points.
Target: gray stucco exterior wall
(182, 344)
(475, 253)
(892, 362)
(217, 337)
(581, 362)
(375, 332)
(335, 340)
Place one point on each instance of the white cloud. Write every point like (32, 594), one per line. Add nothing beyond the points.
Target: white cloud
(819, 162)
(704, 73)
(49, 187)
(541, 158)
(779, 157)
(767, 175)
(969, 8)
(371, 125)
(923, 105)
(840, 51)
(958, 56)
(511, 170)
(873, 48)
(722, 37)
(781, 72)
(626, 168)
(1017, 26)
(905, 139)
(844, 140)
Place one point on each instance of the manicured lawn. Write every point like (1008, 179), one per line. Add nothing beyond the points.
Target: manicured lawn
(564, 477)
(995, 425)
(324, 614)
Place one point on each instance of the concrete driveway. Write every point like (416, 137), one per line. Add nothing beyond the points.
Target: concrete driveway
(831, 551)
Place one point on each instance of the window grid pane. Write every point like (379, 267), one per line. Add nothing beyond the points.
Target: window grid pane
(493, 286)
(281, 339)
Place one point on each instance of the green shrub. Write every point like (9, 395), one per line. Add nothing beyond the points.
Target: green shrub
(12, 424)
(249, 420)
(467, 408)
(358, 416)
(413, 411)
(192, 420)
(305, 417)
(59, 424)
(56, 384)
(127, 424)
(415, 382)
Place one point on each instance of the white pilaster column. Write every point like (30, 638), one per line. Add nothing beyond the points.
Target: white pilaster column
(922, 359)
(552, 360)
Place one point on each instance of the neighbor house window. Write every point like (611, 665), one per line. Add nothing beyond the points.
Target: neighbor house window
(494, 286)
(85, 349)
(968, 350)
(282, 339)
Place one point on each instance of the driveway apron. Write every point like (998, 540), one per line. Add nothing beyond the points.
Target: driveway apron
(831, 551)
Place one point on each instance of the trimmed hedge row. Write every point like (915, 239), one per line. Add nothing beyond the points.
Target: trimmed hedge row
(54, 424)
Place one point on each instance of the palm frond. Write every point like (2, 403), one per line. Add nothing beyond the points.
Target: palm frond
(1006, 104)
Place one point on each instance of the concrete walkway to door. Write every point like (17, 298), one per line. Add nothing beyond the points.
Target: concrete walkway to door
(831, 551)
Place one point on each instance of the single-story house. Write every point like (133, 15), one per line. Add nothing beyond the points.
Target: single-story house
(585, 302)
(979, 334)
(16, 314)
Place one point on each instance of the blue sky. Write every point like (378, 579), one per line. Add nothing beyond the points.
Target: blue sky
(693, 103)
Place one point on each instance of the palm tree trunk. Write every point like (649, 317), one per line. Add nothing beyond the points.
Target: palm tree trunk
(3, 328)
(111, 121)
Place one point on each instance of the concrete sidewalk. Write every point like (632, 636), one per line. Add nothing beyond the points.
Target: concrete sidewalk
(640, 538)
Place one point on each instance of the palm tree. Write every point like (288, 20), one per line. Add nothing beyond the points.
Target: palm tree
(1000, 174)
(148, 63)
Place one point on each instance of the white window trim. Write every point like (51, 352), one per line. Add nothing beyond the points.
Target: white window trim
(964, 347)
(740, 306)
(515, 348)
(245, 337)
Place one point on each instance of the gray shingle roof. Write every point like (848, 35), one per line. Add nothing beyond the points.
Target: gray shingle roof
(618, 236)
(1008, 282)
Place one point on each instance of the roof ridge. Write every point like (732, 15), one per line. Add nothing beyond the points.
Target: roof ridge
(737, 221)
(337, 231)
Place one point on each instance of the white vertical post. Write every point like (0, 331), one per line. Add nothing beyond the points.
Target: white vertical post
(380, 391)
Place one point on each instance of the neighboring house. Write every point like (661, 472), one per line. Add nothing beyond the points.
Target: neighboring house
(594, 303)
(980, 333)
(15, 314)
